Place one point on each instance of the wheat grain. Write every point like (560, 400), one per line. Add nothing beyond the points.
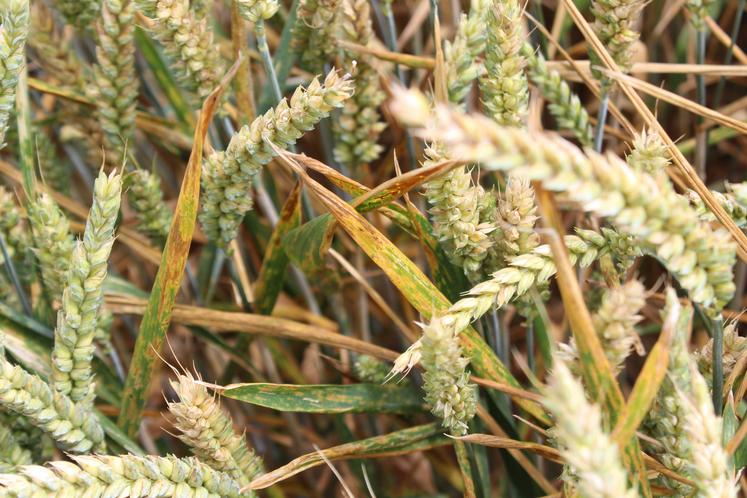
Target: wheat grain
(646, 207)
(709, 465)
(504, 85)
(227, 176)
(522, 273)
(458, 208)
(83, 295)
(615, 322)
(73, 427)
(593, 457)
(146, 199)
(13, 34)
(53, 243)
(449, 393)
(188, 41)
(460, 55)
(315, 29)
(564, 105)
(116, 84)
(357, 127)
(12, 454)
(80, 13)
(126, 476)
(209, 432)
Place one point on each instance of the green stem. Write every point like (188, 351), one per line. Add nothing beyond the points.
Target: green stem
(601, 120)
(14, 277)
(701, 150)
(718, 364)
(264, 51)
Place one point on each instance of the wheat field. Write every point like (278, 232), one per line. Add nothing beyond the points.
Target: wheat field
(373, 248)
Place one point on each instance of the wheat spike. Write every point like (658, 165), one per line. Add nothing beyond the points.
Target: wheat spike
(15, 28)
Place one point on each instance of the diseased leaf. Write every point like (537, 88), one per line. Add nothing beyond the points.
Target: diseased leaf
(347, 398)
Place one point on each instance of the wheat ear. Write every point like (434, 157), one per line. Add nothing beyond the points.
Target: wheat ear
(53, 242)
(146, 199)
(125, 476)
(315, 29)
(83, 296)
(460, 55)
(13, 34)
(646, 207)
(209, 432)
(227, 176)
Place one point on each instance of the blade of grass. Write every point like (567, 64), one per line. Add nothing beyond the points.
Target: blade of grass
(405, 441)
(465, 468)
(649, 380)
(157, 316)
(347, 398)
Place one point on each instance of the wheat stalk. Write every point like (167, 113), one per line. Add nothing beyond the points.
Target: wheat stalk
(227, 176)
(13, 34)
(125, 476)
(83, 295)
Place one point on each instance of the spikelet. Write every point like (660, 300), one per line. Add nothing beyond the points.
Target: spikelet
(357, 128)
(314, 31)
(13, 34)
(80, 13)
(665, 421)
(699, 256)
(614, 24)
(209, 432)
(54, 171)
(564, 105)
(227, 176)
(593, 457)
(188, 41)
(709, 466)
(456, 203)
(73, 427)
(504, 87)
(649, 153)
(371, 370)
(53, 243)
(449, 393)
(83, 295)
(460, 55)
(12, 454)
(116, 83)
(516, 217)
(256, 10)
(126, 476)
(510, 283)
(146, 199)
(615, 322)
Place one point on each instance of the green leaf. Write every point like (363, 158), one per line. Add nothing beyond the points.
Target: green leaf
(332, 398)
(307, 244)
